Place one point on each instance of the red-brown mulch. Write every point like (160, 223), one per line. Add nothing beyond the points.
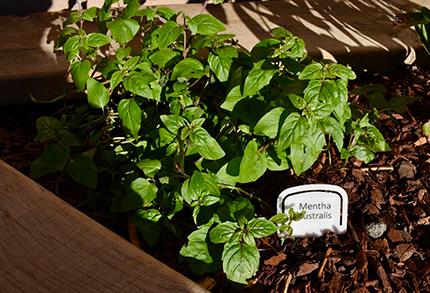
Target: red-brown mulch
(393, 191)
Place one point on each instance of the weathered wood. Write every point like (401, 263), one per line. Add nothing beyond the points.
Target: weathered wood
(48, 246)
(352, 32)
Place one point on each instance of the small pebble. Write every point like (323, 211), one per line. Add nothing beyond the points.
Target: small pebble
(376, 229)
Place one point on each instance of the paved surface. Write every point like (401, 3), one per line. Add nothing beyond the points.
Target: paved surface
(355, 32)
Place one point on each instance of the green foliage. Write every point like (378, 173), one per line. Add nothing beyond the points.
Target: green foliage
(179, 119)
(421, 21)
(375, 94)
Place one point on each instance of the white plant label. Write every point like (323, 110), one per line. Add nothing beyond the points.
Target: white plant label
(326, 208)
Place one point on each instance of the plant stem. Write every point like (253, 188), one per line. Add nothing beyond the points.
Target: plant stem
(251, 196)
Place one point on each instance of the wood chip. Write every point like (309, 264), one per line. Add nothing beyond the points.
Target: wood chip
(358, 174)
(275, 260)
(207, 282)
(407, 170)
(377, 197)
(404, 251)
(397, 236)
(307, 268)
(424, 221)
(362, 261)
(384, 278)
(421, 141)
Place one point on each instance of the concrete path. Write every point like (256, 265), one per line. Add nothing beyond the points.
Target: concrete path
(355, 32)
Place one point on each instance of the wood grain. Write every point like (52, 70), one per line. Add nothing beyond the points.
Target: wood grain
(48, 246)
(354, 32)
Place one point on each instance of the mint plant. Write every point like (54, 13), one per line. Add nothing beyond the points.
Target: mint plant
(420, 20)
(179, 119)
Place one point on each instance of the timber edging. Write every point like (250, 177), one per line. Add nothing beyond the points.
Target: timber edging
(46, 245)
(356, 33)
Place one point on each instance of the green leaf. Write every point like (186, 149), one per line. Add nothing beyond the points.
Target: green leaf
(83, 170)
(116, 79)
(312, 71)
(220, 61)
(53, 159)
(199, 186)
(205, 24)
(72, 44)
(228, 174)
(253, 164)
(206, 145)
(223, 232)
(123, 30)
(426, 128)
(141, 84)
(209, 200)
(147, 221)
(139, 194)
(374, 139)
(304, 154)
(67, 139)
(166, 12)
(47, 128)
(280, 32)
(173, 122)
(187, 193)
(98, 95)
(323, 91)
(122, 53)
(362, 153)
(220, 66)
(226, 52)
(260, 227)
(188, 68)
(80, 73)
(268, 124)
(240, 261)
(65, 34)
(297, 101)
(296, 216)
(264, 49)
(292, 130)
(163, 57)
(131, 116)
(257, 79)
(166, 34)
(331, 126)
(90, 14)
(233, 97)
(131, 9)
(193, 113)
(341, 71)
(197, 246)
(293, 48)
(74, 17)
(274, 163)
(149, 167)
(280, 218)
(97, 39)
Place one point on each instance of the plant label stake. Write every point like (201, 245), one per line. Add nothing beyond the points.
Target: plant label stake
(325, 206)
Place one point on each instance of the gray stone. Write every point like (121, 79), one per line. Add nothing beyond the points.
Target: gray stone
(376, 229)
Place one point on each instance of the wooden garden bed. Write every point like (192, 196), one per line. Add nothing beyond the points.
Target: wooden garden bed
(48, 246)
(362, 36)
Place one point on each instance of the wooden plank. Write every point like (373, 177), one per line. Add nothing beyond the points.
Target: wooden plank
(58, 5)
(48, 246)
(357, 33)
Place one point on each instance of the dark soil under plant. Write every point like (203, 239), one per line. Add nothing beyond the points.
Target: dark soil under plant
(391, 191)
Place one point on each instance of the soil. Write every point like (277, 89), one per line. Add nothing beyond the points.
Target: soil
(387, 245)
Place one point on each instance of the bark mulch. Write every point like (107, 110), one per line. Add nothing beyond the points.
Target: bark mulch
(387, 245)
